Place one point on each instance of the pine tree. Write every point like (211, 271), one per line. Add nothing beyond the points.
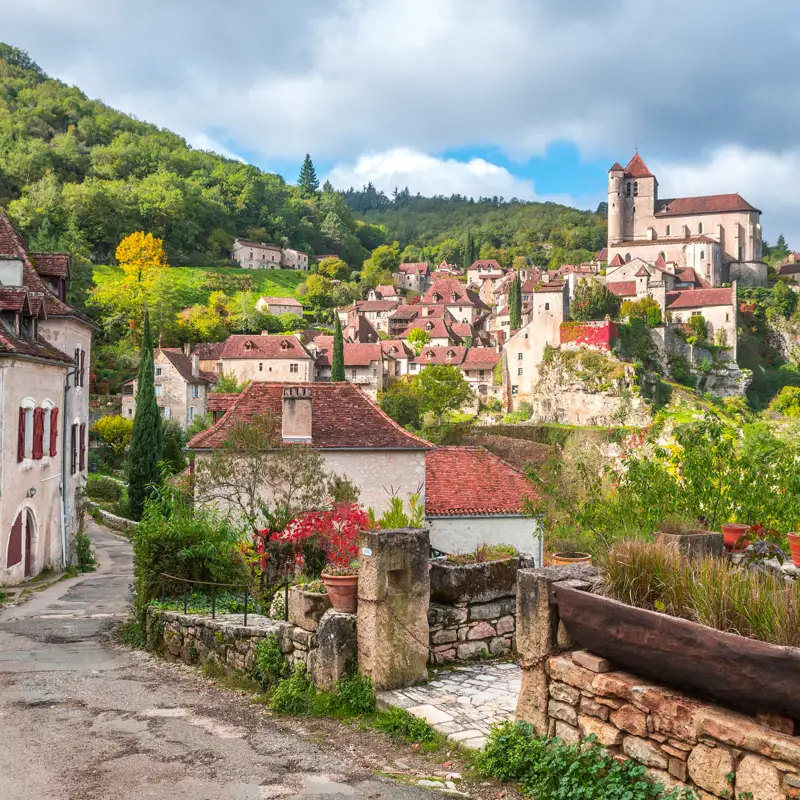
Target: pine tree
(147, 442)
(337, 361)
(308, 182)
(515, 304)
(781, 249)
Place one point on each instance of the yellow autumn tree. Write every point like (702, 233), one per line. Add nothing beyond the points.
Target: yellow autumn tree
(143, 282)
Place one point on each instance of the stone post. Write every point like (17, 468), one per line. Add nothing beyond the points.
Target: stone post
(393, 597)
(539, 635)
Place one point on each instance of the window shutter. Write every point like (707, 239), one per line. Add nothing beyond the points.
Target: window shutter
(83, 447)
(21, 435)
(38, 433)
(53, 431)
(83, 368)
(74, 446)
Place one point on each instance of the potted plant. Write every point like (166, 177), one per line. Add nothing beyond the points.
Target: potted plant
(690, 536)
(735, 536)
(567, 557)
(338, 530)
(794, 548)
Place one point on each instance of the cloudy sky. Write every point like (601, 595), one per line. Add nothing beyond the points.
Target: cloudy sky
(526, 98)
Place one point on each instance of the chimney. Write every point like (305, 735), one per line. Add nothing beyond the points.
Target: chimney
(187, 349)
(296, 427)
(195, 366)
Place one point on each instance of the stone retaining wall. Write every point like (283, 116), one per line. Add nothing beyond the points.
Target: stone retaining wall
(120, 524)
(464, 631)
(683, 742)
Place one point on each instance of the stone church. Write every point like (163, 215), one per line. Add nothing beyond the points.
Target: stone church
(717, 236)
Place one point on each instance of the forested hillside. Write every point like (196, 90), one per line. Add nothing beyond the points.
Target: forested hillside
(435, 228)
(79, 176)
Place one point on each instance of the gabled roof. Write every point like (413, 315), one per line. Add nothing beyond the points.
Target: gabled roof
(208, 351)
(281, 301)
(363, 306)
(699, 298)
(444, 354)
(706, 204)
(445, 288)
(637, 168)
(486, 263)
(616, 261)
(471, 481)
(247, 346)
(183, 364)
(355, 353)
(250, 243)
(416, 268)
(359, 329)
(615, 166)
(622, 288)
(551, 286)
(642, 273)
(396, 348)
(789, 268)
(481, 358)
(220, 401)
(51, 264)
(342, 417)
(405, 312)
(436, 328)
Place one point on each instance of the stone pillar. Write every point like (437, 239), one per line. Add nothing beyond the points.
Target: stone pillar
(540, 635)
(335, 651)
(393, 597)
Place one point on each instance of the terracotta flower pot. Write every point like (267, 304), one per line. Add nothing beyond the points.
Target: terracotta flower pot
(794, 548)
(735, 534)
(342, 591)
(565, 559)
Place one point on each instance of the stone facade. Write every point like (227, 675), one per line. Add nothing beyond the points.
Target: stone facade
(464, 631)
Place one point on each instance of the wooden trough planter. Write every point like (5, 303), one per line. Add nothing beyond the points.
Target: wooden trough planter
(741, 673)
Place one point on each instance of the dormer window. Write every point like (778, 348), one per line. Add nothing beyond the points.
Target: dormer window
(248, 345)
(436, 297)
(453, 297)
(428, 326)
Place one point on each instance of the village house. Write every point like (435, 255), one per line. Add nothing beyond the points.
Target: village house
(256, 255)
(181, 386)
(45, 363)
(273, 358)
(716, 306)
(279, 305)
(355, 438)
(399, 356)
(209, 354)
(294, 259)
(376, 312)
(473, 497)
(719, 236)
(478, 367)
(365, 365)
(384, 292)
(437, 328)
(483, 270)
(463, 304)
(413, 277)
(790, 269)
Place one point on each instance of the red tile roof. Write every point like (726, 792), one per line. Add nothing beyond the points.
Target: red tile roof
(616, 261)
(183, 364)
(416, 268)
(363, 306)
(220, 401)
(444, 354)
(208, 351)
(462, 329)
(342, 417)
(789, 268)
(552, 286)
(637, 168)
(707, 204)
(246, 346)
(615, 166)
(481, 358)
(13, 299)
(396, 348)
(603, 254)
(405, 312)
(386, 290)
(688, 275)
(456, 484)
(281, 301)
(485, 263)
(699, 298)
(435, 328)
(355, 353)
(51, 264)
(445, 288)
(642, 273)
(622, 288)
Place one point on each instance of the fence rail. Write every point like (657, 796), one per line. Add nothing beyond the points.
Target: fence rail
(214, 586)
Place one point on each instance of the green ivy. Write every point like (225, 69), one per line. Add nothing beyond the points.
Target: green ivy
(270, 665)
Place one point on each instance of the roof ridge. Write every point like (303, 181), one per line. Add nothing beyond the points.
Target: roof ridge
(217, 425)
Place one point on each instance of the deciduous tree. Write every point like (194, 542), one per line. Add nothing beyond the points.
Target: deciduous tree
(443, 388)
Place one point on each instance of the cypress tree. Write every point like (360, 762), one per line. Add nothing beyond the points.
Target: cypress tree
(515, 304)
(308, 182)
(337, 360)
(147, 442)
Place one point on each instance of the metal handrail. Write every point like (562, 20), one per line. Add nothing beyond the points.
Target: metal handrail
(245, 586)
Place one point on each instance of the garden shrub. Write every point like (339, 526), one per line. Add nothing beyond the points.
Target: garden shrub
(548, 769)
(107, 489)
(270, 665)
(787, 402)
(296, 696)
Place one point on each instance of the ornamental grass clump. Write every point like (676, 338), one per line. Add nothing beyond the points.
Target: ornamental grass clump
(753, 603)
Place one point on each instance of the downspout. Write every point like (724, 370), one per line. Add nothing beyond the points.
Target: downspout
(65, 417)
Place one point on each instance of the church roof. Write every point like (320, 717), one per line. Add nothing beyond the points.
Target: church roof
(615, 166)
(616, 261)
(637, 168)
(706, 204)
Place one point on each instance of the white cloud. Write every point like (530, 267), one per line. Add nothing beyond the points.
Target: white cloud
(766, 179)
(202, 141)
(428, 175)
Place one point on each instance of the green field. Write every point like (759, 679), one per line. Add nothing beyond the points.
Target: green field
(194, 284)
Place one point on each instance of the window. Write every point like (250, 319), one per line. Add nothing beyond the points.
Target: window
(82, 449)
(53, 423)
(519, 356)
(73, 461)
(741, 252)
(699, 227)
(159, 391)
(80, 366)
(519, 370)
(481, 373)
(353, 374)
(628, 189)
(48, 440)
(697, 313)
(702, 255)
(547, 306)
(195, 391)
(668, 230)
(166, 412)
(260, 366)
(636, 188)
(192, 412)
(727, 318)
(627, 257)
(158, 372)
(294, 368)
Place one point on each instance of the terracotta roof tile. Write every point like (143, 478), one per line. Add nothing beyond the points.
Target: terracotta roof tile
(396, 348)
(342, 417)
(183, 364)
(622, 288)
(616, 261)
(637, 168)
(456, 484)
(376, 305)
(281, 301)
(246, 346)
(355, 353)
(208, 351)
(706, 204)
(698, 298)
(481, 358)
(435, 328)
(52, 264)
(452, 355)
(416, 268)
(220, 401)
(615, 166)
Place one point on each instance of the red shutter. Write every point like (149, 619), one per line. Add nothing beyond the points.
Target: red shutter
(73, 464)
(53, 431)
(83, 368)
(38, 433)
(21, 435)
(83, 447)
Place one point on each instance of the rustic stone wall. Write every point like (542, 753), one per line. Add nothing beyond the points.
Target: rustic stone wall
(196, 639)
(683, 742)
(465, 630)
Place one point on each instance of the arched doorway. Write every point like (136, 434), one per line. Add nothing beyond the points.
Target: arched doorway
(22, 542)
(14, 553)
(29, 541)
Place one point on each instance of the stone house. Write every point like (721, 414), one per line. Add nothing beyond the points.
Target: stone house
(717, 307)
(355, 438)
(45, 364)
(461, 302)
(790, 269)
(413, 277)
(376, 312)
(256, 255)
(384, 292)
(717, 235)
(294, 259)
(279, 305)
(473, 497)
(209, 354)
(478, 367)
(181, 387)
(365, 365)
(439, 332)
(277, 358)
(483, 270)
(399, 356)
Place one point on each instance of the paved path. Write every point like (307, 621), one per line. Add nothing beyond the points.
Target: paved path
(465, 703)
(83, 719)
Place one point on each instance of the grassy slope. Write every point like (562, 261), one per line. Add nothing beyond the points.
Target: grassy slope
(189, 281)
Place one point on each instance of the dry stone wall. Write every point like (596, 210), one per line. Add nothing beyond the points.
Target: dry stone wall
(464, 631)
